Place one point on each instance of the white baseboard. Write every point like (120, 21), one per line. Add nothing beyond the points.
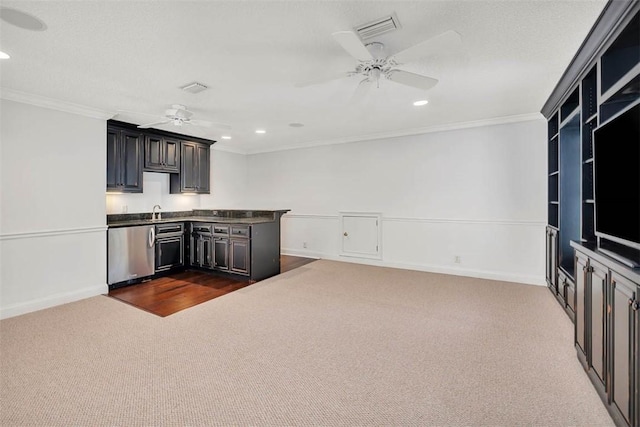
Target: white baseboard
(52, 300)
(480, 274)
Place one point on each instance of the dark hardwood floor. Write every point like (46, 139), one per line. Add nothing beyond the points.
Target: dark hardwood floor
(170, 294)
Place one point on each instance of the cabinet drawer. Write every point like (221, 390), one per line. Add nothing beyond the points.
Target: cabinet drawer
(240, 231)
(201, 228)
(166, 229)
(222, 230)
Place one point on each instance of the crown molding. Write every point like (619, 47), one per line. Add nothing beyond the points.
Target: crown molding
(410, 132)
(54, 104)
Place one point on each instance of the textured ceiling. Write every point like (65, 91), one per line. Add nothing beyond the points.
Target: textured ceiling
(135, 55)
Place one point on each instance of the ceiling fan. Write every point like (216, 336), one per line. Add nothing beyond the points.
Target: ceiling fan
(373, 65)
(178, 115)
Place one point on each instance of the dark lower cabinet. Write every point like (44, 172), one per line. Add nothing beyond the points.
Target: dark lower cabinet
(221, 254)
(252, 250)
(608, 331)
(169, 246)
(240, 255)
(598, 288)
(552, 259)
(200, 250)
(623, 329)
(169, 253)
(124, 160)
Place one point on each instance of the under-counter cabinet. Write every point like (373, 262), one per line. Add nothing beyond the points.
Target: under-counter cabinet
(607, 331)
(200, 246)
(161, 154)
(239, 247)
(124, 160)
(623, 347)
(194, 169)
(169, 246)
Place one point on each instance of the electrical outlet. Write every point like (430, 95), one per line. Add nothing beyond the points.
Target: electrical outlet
(457, 259)
(125, 208)
(304, 245)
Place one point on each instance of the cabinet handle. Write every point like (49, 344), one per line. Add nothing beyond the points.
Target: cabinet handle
(635, 305)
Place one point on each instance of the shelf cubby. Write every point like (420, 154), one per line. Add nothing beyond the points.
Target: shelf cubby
(553, 126)
(570, 105)
(553, 155)
(621, 56)
(617, 102)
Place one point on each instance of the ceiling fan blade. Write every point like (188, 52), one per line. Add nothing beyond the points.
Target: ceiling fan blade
(412, 79)
(148, 125)
(440, 43)
(361, 91)
(207, 124)
(352, 44)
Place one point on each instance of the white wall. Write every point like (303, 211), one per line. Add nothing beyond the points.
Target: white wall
(228, 179)
(52, 221)
(479, 193)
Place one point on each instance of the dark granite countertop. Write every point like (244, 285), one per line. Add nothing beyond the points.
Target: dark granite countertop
(197, 215)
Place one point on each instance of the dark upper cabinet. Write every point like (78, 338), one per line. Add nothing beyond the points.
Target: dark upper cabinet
(124, 160)
(161, 154)
(194, 169)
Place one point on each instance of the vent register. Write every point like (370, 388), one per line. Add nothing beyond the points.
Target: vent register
(377, 27)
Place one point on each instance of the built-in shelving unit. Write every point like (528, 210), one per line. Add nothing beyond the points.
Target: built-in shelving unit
(586, 271)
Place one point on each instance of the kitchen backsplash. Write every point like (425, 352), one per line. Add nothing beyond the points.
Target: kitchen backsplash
(156, 192)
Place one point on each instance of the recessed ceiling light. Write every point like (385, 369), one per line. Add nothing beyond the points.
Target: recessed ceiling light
(21, 19)
(296, 125)
(261, 131)
(421, 103)
(4, 55)
(225, 137)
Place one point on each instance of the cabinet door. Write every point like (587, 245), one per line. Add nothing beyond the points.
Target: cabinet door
(622, 329)
(202, 152)
(240, 256)
(131, 162)
(553, 259)
(598, 281)
(113, 164)
(221, 254)
(171, 155)
(195, 249)
(207, 252)
(153, 152)
(581, 284)
(188, 172)
(169, 253)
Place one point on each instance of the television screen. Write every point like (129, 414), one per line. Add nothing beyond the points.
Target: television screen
(617, 178)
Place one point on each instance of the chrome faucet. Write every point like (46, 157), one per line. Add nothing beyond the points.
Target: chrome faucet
(153, 214)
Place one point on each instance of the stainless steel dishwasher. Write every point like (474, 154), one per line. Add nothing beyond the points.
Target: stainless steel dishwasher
(131, 253)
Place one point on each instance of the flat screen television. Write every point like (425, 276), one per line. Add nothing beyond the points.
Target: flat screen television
(616, 158)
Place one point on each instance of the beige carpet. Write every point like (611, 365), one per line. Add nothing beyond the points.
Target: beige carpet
(326, 344)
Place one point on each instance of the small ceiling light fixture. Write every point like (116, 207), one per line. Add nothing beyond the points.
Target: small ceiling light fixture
(4, 55)
(225, 137)
(296, 125)
(21, 19)
(421, 103)
(261, 131)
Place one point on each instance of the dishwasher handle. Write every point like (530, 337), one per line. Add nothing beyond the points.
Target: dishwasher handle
(152, 236)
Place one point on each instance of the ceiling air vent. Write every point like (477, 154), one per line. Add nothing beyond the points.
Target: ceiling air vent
(194, 87)
(377, 27)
